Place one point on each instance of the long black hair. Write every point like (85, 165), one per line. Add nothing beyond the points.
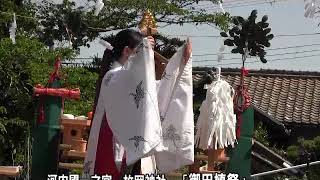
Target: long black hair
(127, 37)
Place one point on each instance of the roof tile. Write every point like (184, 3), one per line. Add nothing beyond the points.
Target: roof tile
(288, 96)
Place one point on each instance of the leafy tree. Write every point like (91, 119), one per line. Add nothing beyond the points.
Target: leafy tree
(167, 47)
(302, 151)
(22, 65)
(116, 14)
(85, 80)
(66, 21)
(47, 23)
(247, 34)
(22, 8)
(164, 45)
(261, 134)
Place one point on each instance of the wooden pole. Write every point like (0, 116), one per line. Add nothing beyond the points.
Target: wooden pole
(10, 171)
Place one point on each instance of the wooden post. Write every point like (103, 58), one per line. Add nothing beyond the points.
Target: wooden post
(10, 171)
(240, 156)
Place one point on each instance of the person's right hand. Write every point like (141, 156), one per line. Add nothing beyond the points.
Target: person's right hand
(187, 51)
(152, 42)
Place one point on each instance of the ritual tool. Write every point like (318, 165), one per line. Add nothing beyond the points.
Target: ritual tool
(148, 26)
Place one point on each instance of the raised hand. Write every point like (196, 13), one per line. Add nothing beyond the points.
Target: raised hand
(187, 51)
(152, 42)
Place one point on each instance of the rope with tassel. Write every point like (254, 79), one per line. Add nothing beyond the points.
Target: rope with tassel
(242, 99)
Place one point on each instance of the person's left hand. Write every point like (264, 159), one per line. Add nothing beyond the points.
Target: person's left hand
(152, 42)
(187, 51)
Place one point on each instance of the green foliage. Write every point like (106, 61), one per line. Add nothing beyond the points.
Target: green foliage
(292, 152)
(246, 33)
(164, 45)
(309, 145)
(261, 134)
(86, 81)
(29, 62)
(22, 65)
(77, 171)
(312, 146)
(167, 47)
(21, 7)
(316, 142)
(61, 22)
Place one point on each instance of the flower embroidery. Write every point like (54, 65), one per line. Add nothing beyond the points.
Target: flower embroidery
(139, 95)
(171, 134)
(137, 140)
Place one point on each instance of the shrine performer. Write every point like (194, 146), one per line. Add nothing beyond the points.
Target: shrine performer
(103, 144)
(134, 125)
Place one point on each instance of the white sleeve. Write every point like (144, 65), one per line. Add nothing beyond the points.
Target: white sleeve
(131, 105)
(176, 106)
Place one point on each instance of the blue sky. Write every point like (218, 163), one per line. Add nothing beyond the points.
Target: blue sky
(286, 17)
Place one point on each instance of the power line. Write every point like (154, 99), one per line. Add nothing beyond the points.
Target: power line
(85, 58)
(279, 54)
(211, 60)
(271, 60)
(211, 54)
(249, 4)
(217, 36)
(232, 3)
(237, 1)
(272, 49)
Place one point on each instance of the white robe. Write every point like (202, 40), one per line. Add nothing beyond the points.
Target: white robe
(131, 99)
(176, 109)
(131, 105)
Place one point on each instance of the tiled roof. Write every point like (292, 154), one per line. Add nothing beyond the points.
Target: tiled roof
(290, 97)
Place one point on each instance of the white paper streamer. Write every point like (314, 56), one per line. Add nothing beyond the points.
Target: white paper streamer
(106, 44)
(216, 125)
(221, 7)
(98, 7)
(13, 29)
(220, 57)
(221, 49)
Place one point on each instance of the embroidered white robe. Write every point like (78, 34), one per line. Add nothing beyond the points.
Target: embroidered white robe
(175, 98)
(129, 98)
(131, 105)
